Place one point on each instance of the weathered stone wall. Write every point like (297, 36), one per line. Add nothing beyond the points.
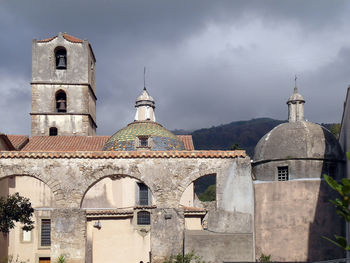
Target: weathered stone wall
(220, 247)
(292, 216)
(167, 178)
(44, 62)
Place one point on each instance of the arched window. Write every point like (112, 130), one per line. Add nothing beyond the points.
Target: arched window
(61, 101)
(61, 58)
(53, 131)
(143, 218)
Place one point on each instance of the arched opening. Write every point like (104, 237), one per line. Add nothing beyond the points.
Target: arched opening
(198, 199)
(118, 209)
(41, 197)
(61, 58)
(61, 101)
(53, 131)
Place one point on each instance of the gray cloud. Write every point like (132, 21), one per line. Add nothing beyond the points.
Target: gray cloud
(209, 62)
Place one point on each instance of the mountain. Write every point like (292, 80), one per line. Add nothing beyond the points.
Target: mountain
(240, 134)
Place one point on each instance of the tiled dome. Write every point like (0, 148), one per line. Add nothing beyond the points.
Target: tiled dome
(158, 138)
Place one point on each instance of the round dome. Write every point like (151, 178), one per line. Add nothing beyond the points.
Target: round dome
(154, 136)
(299, 139)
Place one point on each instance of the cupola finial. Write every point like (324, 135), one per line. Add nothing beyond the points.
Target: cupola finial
(295, 105)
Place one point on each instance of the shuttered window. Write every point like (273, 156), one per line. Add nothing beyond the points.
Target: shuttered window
(45, 232)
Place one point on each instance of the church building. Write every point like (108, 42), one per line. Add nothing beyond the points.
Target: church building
(133, 196)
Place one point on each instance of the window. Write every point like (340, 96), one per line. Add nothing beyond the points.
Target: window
(205, 188)
(143, 142)
(282, 173)
(61, 58)
(143, 194)
(61, 101)
(53, 131)
(45, 237)
(143, 218)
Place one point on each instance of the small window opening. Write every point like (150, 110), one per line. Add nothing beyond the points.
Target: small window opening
(143, 218)
(53, 131)
(61, 58)
(143, 141)
(45, 232)
(282, 173)
(143, 194)
(205, 188)
(61, 101)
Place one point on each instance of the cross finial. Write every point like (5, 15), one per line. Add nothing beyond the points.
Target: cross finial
(295, 84)
(144, 78)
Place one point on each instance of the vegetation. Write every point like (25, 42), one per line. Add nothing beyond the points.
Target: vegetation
(265, 258)
(187, 258)
(341, 204)
(334, 128)
(15, 208)
(209, 194)
(61, 259)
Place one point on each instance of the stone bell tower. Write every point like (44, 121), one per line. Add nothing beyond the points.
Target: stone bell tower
(63, 87)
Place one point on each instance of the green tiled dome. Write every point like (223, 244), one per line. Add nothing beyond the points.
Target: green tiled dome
(162, 139)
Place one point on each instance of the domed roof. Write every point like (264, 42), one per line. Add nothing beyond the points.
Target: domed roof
(296, 96)
(299, 139)
(159, 138)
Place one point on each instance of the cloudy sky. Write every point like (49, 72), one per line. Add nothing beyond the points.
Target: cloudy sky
(208, 62)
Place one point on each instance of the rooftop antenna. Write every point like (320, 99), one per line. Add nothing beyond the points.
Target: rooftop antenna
(144, 78)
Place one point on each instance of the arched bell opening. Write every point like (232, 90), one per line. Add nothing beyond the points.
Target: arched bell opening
(61, 101)
(61, 58)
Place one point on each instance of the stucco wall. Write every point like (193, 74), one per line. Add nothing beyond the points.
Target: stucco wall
(291, 217)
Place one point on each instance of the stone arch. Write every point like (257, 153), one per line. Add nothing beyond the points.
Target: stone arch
(101, 175)
(54, 188)
(194, 176)
(189, 195)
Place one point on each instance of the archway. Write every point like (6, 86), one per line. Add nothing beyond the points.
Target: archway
(37, 242)
(118, 209)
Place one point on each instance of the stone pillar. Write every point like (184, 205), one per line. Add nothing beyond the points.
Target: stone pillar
(167, 233)
(68, 234)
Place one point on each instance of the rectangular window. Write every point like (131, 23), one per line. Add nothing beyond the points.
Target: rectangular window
(143, 194)
(144, 142)
(45, 239)
(143, 218)
(282, 173)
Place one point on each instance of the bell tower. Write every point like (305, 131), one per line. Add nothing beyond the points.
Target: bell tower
(63, 87)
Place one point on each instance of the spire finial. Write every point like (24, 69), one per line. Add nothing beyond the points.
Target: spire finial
(295, 84)
(144, 78)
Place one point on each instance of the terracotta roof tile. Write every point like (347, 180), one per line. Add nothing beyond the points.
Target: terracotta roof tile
(193, 209)
(65, 143)
(119, 154)
(187, 140)
(18, 141)
(66, 37)
(72, 39)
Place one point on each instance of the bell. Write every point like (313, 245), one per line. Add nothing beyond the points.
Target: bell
(61, 106)
(61, 62)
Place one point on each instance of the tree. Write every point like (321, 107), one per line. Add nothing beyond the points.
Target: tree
(15, 208)
(341, 204)
(209, 194)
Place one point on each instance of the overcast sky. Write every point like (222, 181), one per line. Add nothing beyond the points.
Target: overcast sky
(208, 62)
